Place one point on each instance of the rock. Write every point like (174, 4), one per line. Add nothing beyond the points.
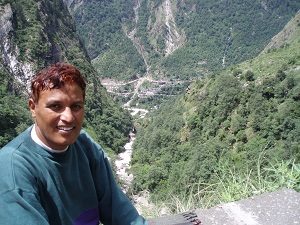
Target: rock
(5, 20)
(280, 207)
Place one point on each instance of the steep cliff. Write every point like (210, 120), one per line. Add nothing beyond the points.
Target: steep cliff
(9, 50)
(35, 34)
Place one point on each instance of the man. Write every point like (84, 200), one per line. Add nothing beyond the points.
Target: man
(54, 173)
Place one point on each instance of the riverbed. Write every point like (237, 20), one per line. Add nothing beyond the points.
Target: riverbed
(142, 200)
(122, 164)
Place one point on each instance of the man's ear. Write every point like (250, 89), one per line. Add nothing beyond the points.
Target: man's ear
(31, 105)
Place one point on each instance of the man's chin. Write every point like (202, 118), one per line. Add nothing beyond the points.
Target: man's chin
(63, 143)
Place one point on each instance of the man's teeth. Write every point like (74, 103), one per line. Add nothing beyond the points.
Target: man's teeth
(65, 128)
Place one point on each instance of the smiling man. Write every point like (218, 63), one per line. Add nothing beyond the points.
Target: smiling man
(54, 173)
(58, 106)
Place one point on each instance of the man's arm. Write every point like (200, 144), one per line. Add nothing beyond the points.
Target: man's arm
(122, 210)
(19, 207)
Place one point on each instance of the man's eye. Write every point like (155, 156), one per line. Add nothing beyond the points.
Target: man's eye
(55, 107)
(76, 108)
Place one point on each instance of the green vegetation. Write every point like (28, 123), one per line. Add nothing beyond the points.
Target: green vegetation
(14, 116)
(215, 30)
(102, 26)
(225, 129)
(28, 31)
(107, 122)
(231, 185)
(218, 34)
(121, 61)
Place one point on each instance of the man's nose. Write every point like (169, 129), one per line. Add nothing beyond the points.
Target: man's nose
(67, 115)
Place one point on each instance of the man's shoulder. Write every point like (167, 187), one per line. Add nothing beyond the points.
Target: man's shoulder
(14, 144)
(85, 138)
(85, 141)
(11, 162)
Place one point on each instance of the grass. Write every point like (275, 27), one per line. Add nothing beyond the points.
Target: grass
(231, 185)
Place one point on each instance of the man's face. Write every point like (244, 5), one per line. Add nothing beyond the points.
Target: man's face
(58, 115)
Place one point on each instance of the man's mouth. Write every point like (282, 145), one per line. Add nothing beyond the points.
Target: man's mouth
(65, 129)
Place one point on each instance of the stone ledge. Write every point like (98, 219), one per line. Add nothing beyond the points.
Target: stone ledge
(275, 208)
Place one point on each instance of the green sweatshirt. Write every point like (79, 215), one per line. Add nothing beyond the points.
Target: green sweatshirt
(75, 187)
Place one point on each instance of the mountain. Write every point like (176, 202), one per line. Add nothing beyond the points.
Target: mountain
(245, 119)
(34, 34)
(166, 41)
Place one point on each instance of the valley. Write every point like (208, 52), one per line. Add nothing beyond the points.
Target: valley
(132, 92)
(227, 128)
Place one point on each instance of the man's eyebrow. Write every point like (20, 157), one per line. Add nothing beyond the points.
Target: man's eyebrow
(78, 102)
(52, 101)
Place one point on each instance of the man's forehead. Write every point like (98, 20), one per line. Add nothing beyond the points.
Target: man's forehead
(69, 90)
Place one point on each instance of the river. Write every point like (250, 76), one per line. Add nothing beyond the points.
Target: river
(122, 163)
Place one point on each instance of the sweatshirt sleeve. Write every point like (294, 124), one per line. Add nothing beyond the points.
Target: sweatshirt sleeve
(19, 207)
(115, 207)
(123, 211)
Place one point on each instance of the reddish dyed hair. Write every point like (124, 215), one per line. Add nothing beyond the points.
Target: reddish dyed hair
(56, 76)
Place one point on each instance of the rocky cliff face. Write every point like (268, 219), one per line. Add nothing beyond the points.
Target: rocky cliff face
(9, 50)
(73, 4)
(165, 26)
(35, 34)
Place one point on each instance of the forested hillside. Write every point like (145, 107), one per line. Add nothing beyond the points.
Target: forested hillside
(177, 39)
(240, 124)
(100, 25)
(14, 115)
(33, 35)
